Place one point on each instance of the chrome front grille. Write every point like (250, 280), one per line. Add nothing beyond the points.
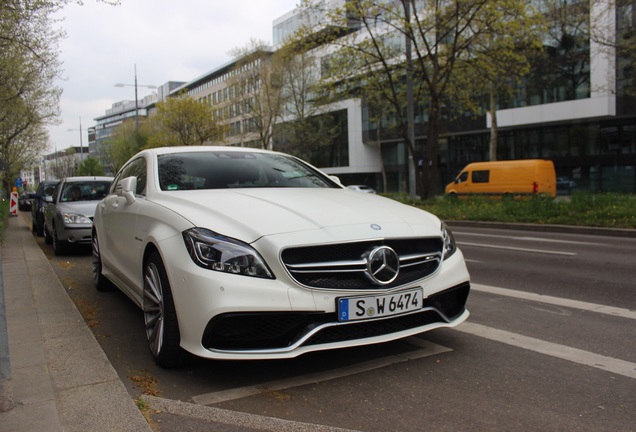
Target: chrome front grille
(346, 265)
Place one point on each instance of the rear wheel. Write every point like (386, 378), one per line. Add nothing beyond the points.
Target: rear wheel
(160, 317)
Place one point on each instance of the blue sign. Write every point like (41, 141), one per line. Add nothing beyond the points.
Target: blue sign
(18, 182)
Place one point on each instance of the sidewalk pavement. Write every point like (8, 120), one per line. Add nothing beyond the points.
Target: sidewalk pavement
(61, 378)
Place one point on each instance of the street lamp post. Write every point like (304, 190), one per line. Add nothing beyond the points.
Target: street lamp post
(81, 143)
(136, 98)
(409, 100)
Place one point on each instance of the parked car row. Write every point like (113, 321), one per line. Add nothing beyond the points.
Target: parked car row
(237, 253)
(62, 210)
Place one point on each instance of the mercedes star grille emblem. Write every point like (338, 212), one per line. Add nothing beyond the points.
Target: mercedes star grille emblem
(383, 265)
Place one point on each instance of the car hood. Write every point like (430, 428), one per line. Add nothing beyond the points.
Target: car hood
(249, 214)
(86, 208)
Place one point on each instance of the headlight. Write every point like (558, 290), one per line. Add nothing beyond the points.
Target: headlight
(216, 252)
(71, 218)
(449, 241)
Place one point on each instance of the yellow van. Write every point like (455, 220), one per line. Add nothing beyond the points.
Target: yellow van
(505, 178)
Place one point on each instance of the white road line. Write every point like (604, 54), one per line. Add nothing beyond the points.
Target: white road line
(557, 301)
(426, 349)
(527, 238)
(543, 251)
(609, 364)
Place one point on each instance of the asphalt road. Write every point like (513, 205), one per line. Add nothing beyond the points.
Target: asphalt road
(549, 346)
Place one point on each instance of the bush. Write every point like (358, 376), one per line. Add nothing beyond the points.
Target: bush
(609, 210)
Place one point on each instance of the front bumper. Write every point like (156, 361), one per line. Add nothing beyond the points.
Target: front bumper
(286, 332)
(77, 234)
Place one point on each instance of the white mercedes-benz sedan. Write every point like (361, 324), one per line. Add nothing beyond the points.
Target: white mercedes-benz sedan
(236, 253)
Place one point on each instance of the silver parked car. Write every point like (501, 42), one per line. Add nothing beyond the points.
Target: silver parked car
(68, 217)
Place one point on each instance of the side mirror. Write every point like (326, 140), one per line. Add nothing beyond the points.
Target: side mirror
(48, 199)
(336, 179)
(127, 188)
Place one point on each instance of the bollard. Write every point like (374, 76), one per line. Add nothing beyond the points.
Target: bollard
(13, 207)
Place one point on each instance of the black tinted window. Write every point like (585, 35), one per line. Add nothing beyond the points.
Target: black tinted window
(84, 191)
(226, 170)
(481, 176)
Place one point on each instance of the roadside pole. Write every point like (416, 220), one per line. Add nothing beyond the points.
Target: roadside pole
(6, 391)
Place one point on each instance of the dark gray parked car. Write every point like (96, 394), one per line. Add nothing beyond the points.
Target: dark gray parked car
(38, 203)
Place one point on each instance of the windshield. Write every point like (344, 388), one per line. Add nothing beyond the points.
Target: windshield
(227, 170)
(84, 191)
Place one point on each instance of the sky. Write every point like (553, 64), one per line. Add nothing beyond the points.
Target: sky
(167, 40)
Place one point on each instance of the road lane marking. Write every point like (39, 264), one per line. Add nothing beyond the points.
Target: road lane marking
(543, 251)
(426, 349)
(527, 238)
(556, 301)
(609, 364)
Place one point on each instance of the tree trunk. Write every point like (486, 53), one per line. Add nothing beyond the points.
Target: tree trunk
(382, 167)
(493, 126)
(431, 172)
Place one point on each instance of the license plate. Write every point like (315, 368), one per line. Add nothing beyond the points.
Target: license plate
(361, 308)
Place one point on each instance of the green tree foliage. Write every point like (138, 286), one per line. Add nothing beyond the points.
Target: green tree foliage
(307, 129)
(183, 121)
(256, 86)
(406, 51)
(499, 59)
(90, 167)
(127, 141)
(28, 68)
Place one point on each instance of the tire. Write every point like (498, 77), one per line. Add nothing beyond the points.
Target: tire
(160, 317)
(39, 225)
(59, 247)
(99, 280)
(47, 236)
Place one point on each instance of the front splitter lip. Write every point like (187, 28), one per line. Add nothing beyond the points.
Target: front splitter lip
(298, 349)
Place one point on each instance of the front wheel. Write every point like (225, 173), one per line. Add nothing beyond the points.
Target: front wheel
(160, 317)
(99, 280)
(47, 236)
(60, 247)
(39, 224)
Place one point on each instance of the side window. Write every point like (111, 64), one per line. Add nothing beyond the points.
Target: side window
(481, 176)
(462, 177)
(51, 191)
(136, 168)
